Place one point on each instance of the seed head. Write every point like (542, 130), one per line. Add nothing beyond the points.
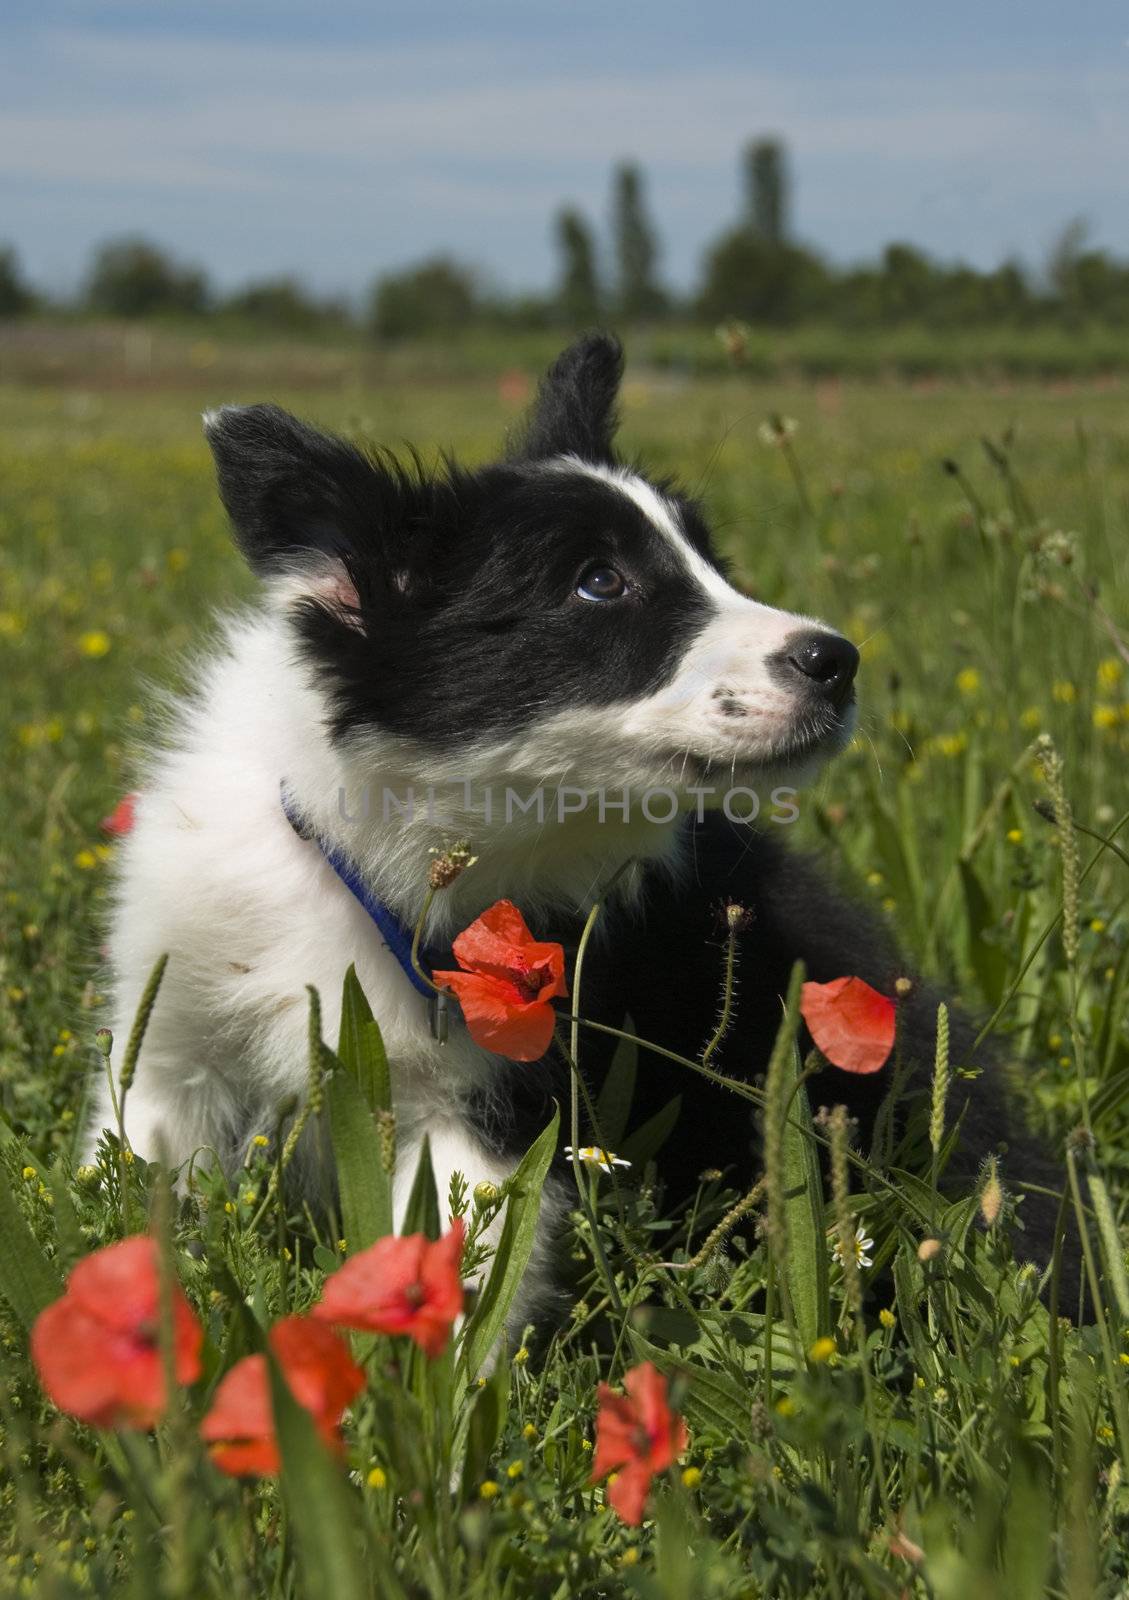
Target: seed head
(991, 1195)
(449, 864)
(386, 1138)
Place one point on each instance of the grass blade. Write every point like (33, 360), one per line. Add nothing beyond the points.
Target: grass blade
(806, 1265)
(515, 1246)
(360, 1046)
(365, 1188)
(320, 1509)
(28, 1281)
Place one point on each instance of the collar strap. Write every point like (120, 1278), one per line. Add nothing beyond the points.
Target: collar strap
(397, 936)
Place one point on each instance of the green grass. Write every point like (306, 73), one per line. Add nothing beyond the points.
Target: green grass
(988, 604)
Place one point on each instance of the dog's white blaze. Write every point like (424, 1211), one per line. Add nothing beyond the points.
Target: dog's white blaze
(726, 663)
(662, 516)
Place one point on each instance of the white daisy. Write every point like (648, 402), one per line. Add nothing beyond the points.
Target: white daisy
(592, 1156)
(861, 1246)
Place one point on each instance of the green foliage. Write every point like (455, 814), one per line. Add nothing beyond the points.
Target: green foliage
(15, 295)
(746, 276)
(961, 1444)
(438, 296)
(135, 278)
(638, 294)
(767, 200)
(286, 305)
(578, 292)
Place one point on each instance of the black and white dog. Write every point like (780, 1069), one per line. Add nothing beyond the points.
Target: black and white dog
(431, 651)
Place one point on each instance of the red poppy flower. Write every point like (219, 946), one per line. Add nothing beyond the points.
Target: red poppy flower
(120, 819)
(320, 1374)
(97, 1349)
(850, 1022)
(508, 978)
(637, 1435)
(408, 1285)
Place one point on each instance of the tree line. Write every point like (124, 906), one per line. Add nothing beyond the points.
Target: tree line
(755, 271)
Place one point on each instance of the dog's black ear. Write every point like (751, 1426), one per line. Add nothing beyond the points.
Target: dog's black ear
(575, 409)
(297, 498)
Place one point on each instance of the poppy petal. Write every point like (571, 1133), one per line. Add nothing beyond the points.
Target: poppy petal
(97, 1375)
(405, 1286)
(121, 818)
(500, 945)
(851, 1023)
(320, 1374)
(521, 1030)
(627, 1496)
(96, 1348)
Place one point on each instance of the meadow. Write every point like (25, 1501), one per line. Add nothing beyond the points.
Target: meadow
(934, 1423)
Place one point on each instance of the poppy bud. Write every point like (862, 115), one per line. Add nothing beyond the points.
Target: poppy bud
(104, 1042)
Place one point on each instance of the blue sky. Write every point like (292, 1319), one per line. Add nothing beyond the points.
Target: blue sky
(339, 139)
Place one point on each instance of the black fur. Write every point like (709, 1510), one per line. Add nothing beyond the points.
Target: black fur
(575, 409)
(488, 633)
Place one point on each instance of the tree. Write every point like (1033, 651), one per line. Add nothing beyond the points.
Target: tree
(135, 278)
(1062, 262)
(766, 191)
(747, 277)
(283, 303)
(752, 271)
(578, 296)
(15, 295)
(909, 283)
(436, 296)
(636, 248)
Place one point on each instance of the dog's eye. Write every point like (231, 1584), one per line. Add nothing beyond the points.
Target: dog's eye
(602, 583)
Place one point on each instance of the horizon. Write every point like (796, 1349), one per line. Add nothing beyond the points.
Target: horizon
(350, 145)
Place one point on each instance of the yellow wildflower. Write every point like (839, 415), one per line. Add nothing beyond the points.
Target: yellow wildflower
(95, 644)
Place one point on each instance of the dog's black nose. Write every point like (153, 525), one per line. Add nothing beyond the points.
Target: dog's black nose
(827, 660)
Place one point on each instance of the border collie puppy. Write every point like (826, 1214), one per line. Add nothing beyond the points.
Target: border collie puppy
(545, 657)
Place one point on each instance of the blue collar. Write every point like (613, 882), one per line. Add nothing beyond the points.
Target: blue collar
(397, 935)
